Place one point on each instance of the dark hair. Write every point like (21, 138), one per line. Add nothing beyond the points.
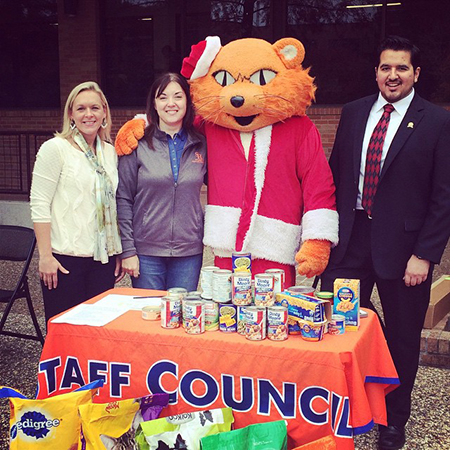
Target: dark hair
(398, 43)
(156, 89)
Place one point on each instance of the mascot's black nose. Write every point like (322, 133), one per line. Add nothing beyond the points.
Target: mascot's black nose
(237, 101)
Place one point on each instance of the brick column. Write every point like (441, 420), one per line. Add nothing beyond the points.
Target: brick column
(79, 44)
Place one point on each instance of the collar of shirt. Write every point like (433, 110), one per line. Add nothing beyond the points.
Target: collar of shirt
(400, 107)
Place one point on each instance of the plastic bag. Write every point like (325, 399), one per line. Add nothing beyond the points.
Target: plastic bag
(183, 431)
(260, 436)
(50, 423)
(114, 424)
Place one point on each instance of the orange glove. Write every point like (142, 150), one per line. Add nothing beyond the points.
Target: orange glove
(313, 257)
(128, 136)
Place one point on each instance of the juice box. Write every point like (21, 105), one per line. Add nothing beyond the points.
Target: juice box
(346, 301)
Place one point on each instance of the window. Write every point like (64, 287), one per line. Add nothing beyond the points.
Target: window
(29, 76)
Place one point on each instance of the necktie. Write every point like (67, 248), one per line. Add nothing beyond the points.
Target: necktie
(373, 159)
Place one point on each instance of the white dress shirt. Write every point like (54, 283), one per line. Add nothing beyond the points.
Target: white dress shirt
(376, 112)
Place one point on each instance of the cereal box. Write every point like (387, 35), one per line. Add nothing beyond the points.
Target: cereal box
(346, 302)
(303, 307)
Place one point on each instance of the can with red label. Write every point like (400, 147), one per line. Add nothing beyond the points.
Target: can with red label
(211, 315)
(241, 288)
(194, 316)
(170, 312)
(264, 295)
(255, 323)
(278, 279)
(303, 290)
(277, 323)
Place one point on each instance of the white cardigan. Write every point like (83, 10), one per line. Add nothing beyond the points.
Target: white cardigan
(63, 193)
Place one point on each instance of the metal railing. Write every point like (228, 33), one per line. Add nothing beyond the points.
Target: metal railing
(17, 155)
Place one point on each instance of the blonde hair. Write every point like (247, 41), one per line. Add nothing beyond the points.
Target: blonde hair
(104, 133)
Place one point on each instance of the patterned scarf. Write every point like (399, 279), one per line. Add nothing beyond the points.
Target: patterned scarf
(107, 238)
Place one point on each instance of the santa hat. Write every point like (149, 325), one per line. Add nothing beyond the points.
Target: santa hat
(197, 64)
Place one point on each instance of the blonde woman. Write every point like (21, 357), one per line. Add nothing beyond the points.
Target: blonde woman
(73, 204)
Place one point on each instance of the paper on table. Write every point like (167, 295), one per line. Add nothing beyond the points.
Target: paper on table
(105, 310)
(85, 314)
(127, 302)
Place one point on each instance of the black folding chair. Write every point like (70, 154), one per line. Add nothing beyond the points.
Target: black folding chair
(17, 244)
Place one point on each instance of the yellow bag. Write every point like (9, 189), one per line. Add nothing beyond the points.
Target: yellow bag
(51, 423)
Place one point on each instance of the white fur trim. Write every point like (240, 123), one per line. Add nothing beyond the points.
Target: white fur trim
(221, 224)
(321, 224)
(263, 138)
(271, 239)
(213, 46)
(142, 116)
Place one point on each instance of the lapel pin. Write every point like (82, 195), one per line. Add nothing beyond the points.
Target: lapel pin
(410, 125)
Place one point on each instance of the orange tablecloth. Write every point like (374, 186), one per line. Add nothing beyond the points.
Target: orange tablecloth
(336, 386)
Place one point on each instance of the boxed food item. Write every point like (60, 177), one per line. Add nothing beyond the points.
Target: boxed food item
(303, 307)
(346, 301)
(439, 301)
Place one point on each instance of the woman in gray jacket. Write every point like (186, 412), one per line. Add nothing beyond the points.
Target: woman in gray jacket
(158, 198)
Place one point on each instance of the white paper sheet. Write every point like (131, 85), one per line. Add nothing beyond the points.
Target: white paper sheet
(105, 310)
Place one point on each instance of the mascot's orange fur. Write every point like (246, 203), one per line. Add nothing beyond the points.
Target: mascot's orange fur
(269, 185)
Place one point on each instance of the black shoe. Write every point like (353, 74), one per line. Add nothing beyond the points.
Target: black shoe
(391, 437)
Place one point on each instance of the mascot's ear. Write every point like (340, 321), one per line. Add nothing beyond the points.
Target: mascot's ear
(290, 51)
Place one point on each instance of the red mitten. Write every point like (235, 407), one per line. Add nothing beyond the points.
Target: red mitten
(313, 257)
(128, 136)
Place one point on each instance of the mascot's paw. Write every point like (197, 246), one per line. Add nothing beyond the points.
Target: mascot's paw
(313, 257)
(129, 135)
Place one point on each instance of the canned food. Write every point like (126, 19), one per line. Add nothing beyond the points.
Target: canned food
(211, 315)
(277, 323)
(221, 285)
(241, 320)
(324, 295)
(206, 274)
(303, 290)
(178, 292)
(255, 323)
(278, 279)
(264, 295)
(194, 293)
(228, 317)
(170, 312)
(151, 312)
(241, 261)
(337, 324)
(194, 316)
(241, 288)
(188, 299)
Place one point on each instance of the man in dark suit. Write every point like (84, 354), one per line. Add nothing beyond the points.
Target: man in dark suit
(394, 215)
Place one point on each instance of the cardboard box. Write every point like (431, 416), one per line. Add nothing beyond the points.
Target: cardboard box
(439, 301)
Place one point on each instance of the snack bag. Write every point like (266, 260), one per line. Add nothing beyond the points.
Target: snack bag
(260, 436)
(49, 424)
(183, 431)
(325, 443)
(114, 424)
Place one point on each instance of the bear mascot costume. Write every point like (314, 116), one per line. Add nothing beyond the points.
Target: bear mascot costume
(270, 189)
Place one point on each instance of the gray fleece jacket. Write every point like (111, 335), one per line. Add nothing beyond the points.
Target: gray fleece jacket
(158, 217)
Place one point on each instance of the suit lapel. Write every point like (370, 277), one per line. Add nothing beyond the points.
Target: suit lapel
(407, 127)
(360, 127)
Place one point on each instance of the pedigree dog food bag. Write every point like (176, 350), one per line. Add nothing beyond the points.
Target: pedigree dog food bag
(48, 424)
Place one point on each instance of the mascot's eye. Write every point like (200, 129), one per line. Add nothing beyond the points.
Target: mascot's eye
(262, 77)
(224, 78)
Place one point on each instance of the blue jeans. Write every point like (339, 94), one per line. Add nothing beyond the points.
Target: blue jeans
(164, 272)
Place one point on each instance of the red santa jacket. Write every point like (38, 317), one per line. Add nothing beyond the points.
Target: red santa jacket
(283, 195)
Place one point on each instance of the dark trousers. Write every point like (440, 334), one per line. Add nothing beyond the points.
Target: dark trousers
(87, 278)
(404, 310)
